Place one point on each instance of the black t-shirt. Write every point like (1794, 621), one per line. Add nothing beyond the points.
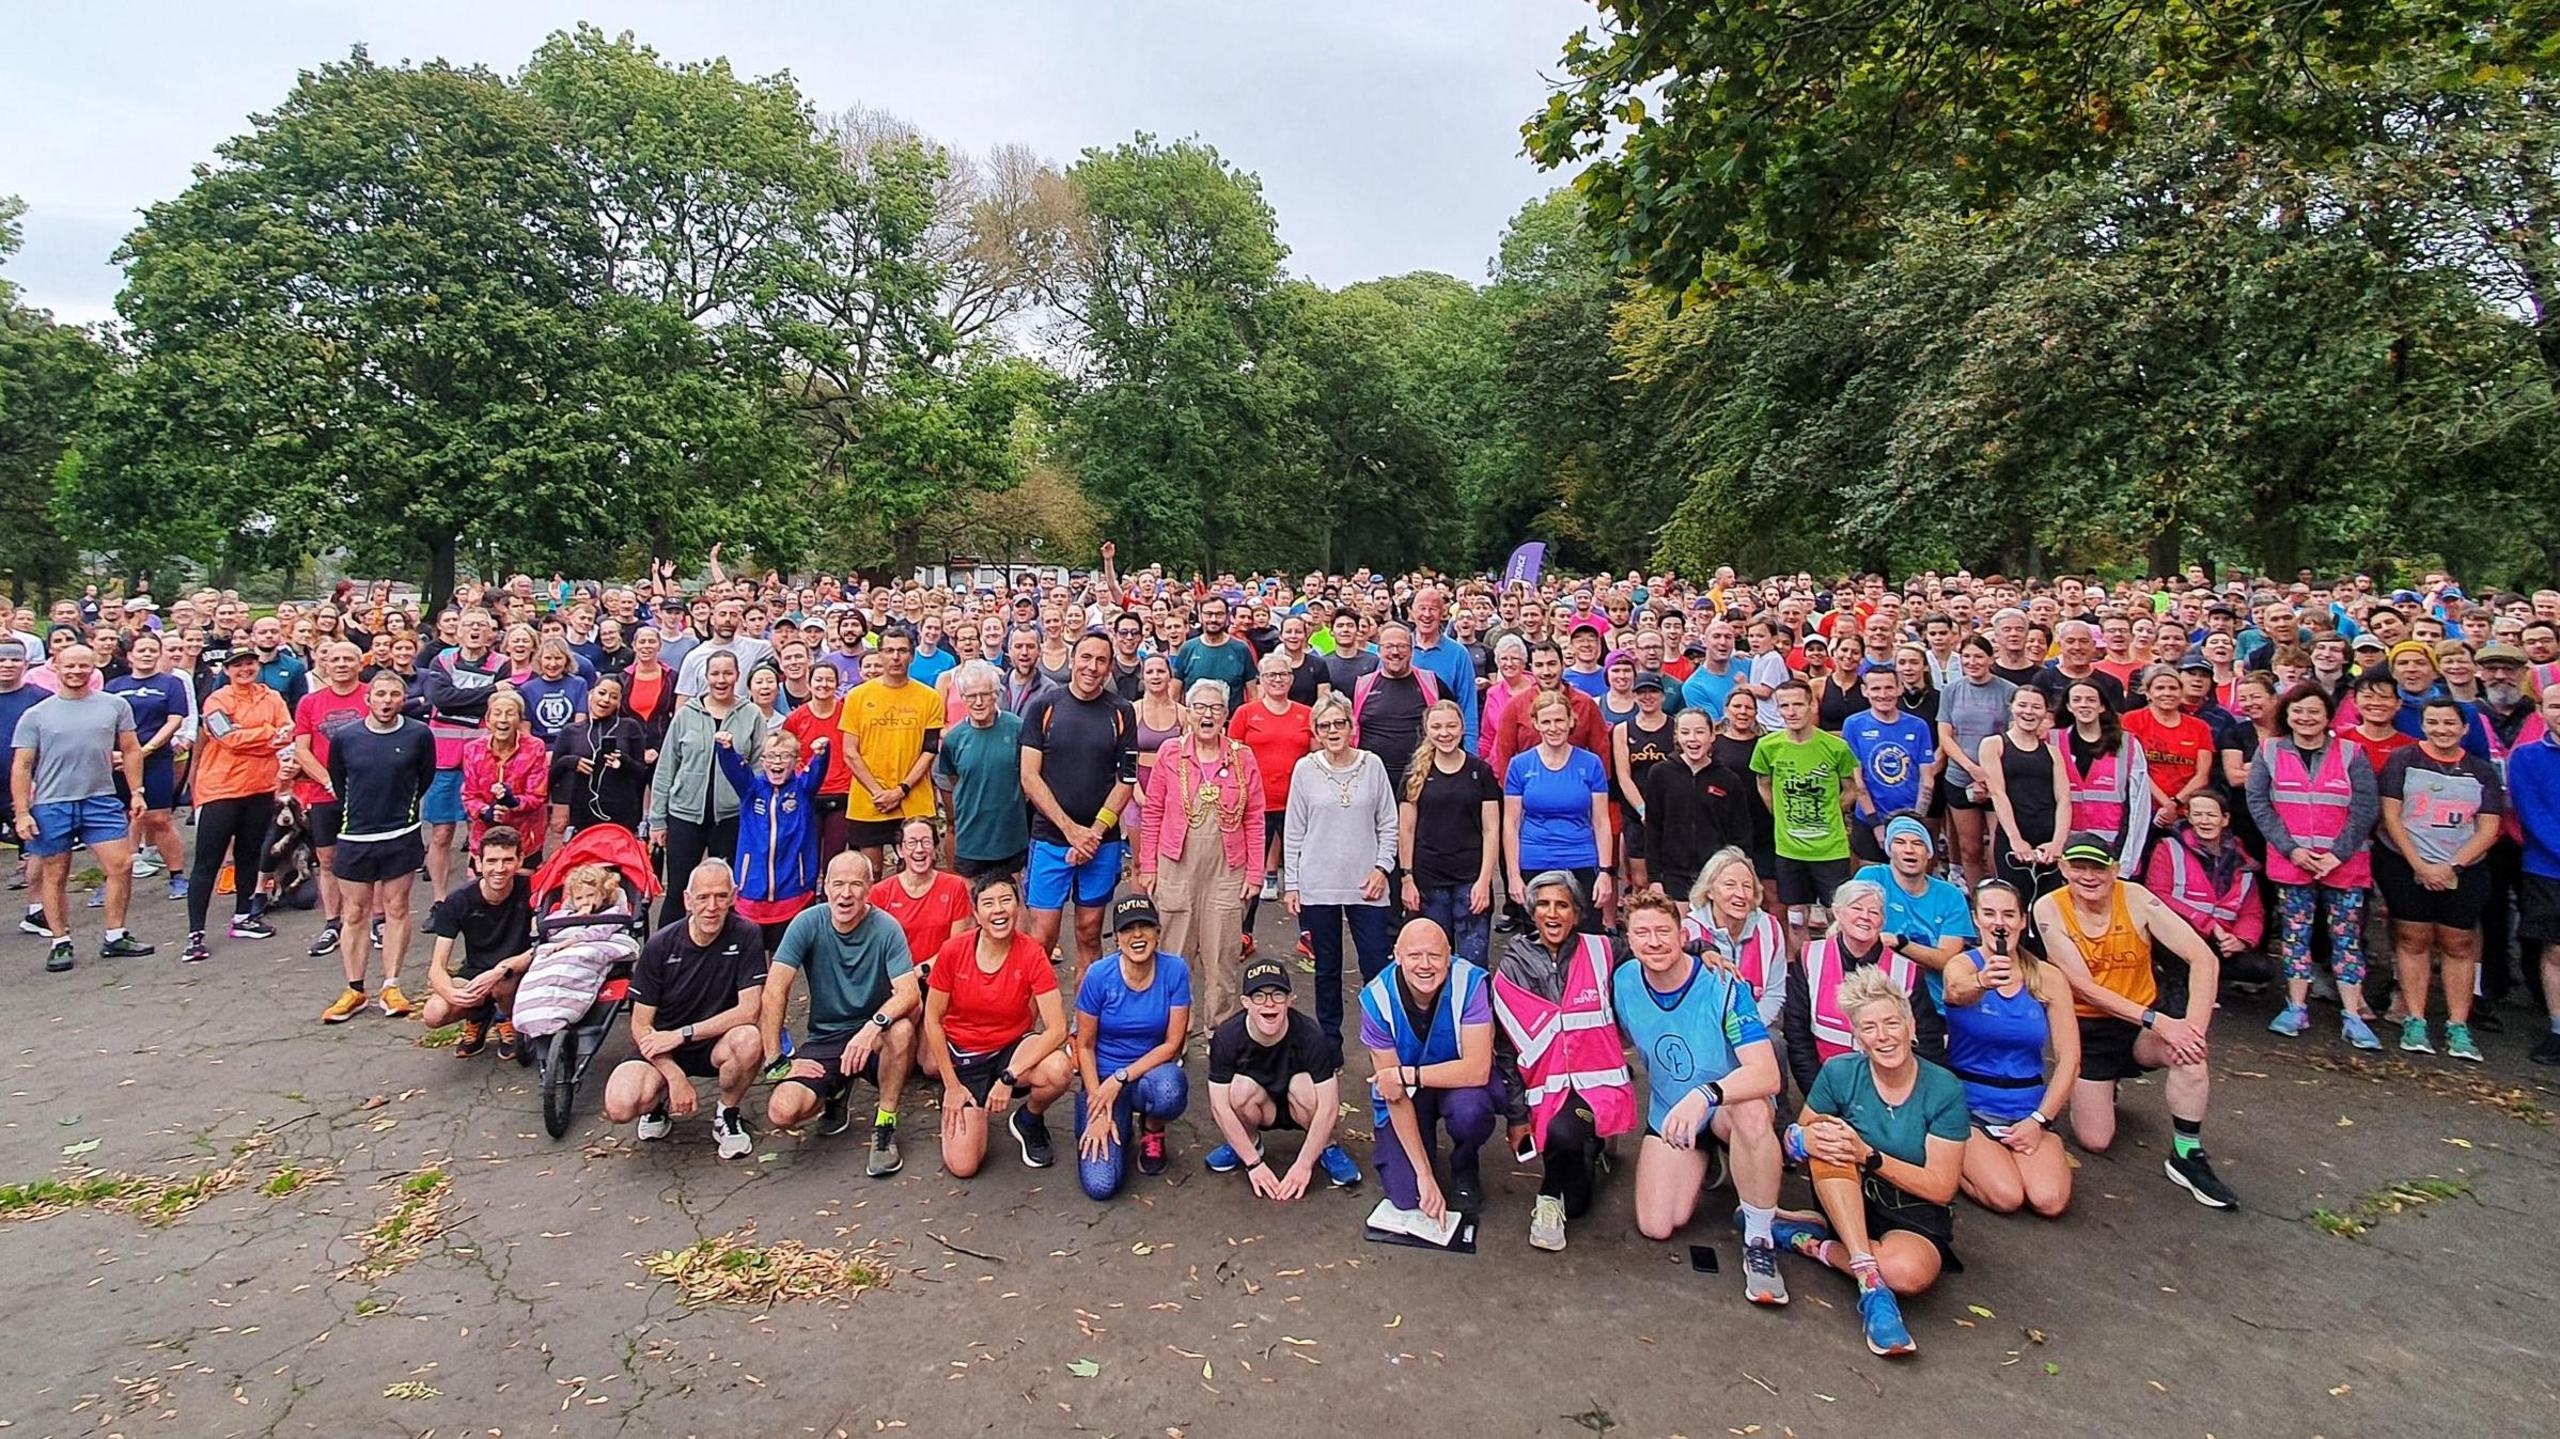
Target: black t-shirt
(1085, 746)
(489, 931)
(1391, 723)
(2019, 675)
(1306, 681)
(2056, 686)
(1300, 1051)
(380, 778)
(1343, 671)
(1448, 823)
(689, 983)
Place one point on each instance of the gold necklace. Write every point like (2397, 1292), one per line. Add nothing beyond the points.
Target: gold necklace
(1343, 784)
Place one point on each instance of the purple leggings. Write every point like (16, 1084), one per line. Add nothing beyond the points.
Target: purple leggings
(1469, 1114)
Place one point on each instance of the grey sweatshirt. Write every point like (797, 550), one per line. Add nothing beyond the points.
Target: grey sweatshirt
(688, 785)
(2362, 810)
(1328, 849)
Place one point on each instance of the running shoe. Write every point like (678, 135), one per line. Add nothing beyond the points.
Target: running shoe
(344, 1007)
(325, 942)
(2548, 1051)
(125, 946)
(1340, 1169)
(1546, 1224)
(195, 952)
(33, 923)
(2458, 1045)
(59, 958)
(249, 926)
(377, 934)
(655, 1124)
(1804, 1236)
(396, 1004)
(1761, 1283)
(2358, 1032)
(885, 1159)
(1223, 1160)
(508, 1044)
(1881, 1313)
(143, 868)
(1033, 1136)
(2291, 1021)
(1151, 1151)
(177, 886)
(731, 1132)
(2413, 1036)
(835, 1116)
(1249, 946)
(97, 899)
(2194, 1173)
(1466, 1189)
(473, 1038)
(1271, 887)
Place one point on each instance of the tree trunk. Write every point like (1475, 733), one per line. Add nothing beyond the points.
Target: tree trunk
(2162, 554)
(440, 572)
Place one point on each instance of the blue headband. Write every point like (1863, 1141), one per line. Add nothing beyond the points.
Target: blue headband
(1903, 824)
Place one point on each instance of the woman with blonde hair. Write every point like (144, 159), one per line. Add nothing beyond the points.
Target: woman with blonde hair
(1338, 848)
(1449, 834)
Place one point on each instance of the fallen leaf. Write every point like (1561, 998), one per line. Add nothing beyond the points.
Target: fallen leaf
(1395, 1323)
(1978, 1312)
(375, 1102)
(2341, 1391)
(1083, 1368)
(83, 1147)
(2459, 1143)
(2345, 1123)
(2051, 1368)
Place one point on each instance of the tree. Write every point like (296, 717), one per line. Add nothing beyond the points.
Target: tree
(49, 376)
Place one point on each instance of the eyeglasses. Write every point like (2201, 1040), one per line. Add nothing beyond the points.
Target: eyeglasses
(1331, 725)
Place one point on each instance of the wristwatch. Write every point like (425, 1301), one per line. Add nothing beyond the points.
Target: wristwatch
(686, 1034)
(882, 1020)
(2042, 1119)
(1873, 1163)
(1009, 1081)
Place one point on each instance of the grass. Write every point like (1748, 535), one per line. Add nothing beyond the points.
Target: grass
(287, 1180)
(152, 1198)
(732, 1270)
(441, 1037)
(398, 1238)
(2381, 1204)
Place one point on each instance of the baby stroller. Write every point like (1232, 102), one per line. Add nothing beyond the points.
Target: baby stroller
(563, 1053)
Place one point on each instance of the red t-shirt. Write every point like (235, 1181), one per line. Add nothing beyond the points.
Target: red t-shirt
(2375, 750)
(990, 1011)
(319, 716)
(927, 918)
(2173, 750)
(804, 725)
(1278, 742)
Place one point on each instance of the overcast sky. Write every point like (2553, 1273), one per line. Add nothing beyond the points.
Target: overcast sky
(1386, 134)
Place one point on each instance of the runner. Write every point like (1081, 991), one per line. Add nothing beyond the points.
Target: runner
(995, 1032)
(380, 773)
(865, 1003)
(1079, 769)
(892, 729)
(929, 905)
(1555, 810)
(484, 944)
(693, 809)
(1564, 1081)
(1972, 707)
(2004, 1009)
(1809, 780)
(1897, 760)
(1271, 1068)
(1133, 1012)
(1200, 850)
(452, 695)
(2315, 801)
(506, 775)
(978, 766)
(2102, 932)
(161, 704)
(333, 705)
(2440, 816)
(245, 729)
(2030, 794)
(1278, 728)
(1449, 834)
(697, 995)
(68, 750)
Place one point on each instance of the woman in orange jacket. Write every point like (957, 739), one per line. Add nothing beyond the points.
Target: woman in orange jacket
(241, 734)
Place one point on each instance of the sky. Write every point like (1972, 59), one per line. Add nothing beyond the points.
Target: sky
(1386, 135)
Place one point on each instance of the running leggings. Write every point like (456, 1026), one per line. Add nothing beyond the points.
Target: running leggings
(239, 825)
(1571, 1143)
(1160, 1093)
(2297, 905)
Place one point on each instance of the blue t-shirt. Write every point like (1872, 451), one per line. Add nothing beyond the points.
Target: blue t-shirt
(152, 701)
(1890, 759)
(1688, 1037)
(1933, 916)
(1595, 683)
(1129, 1022)
(926, 669)
(1706, 690)
(2000, 1037)
(550, 705)
(1555, 809)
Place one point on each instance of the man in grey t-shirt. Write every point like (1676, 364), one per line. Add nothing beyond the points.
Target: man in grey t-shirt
(63, 780)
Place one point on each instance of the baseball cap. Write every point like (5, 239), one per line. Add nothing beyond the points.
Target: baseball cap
(1133, 909)
(2195, 663)
(2404, 597)
(2367, 641)
(2500, 654)
(2089, 847)
(238, 656)
(1262, 974)
(1649, 680)
(1580, 625)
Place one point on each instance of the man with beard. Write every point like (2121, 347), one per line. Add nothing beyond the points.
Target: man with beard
(751, 650)
(1213, 654)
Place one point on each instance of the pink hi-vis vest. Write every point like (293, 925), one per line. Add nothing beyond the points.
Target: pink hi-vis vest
(1831, 1034)
(2191, 888)
(2314, 808)
(1570, 1047)
(1759, 957)
(2097, 797)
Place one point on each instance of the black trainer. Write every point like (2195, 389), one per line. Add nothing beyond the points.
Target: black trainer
(125, 946)
(2548, 1051)
(325, 942)
(1033, 1136)
(59, 959)
(2194, 1173)
(837, 1116)
(1466, 1189)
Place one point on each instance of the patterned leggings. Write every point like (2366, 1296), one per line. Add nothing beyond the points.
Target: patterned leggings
(2297, 905)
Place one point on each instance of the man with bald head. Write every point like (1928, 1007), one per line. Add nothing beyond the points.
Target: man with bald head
(865, 996)
(1427, 1022)
(697, 996)
(62, 780)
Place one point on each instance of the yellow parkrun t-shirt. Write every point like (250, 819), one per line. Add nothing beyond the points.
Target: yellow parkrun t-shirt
(887, 727)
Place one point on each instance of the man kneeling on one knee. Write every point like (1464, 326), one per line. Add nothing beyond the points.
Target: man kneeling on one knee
(1427, 1022)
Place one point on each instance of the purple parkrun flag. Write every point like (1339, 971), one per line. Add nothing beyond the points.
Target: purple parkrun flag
(1524, 565)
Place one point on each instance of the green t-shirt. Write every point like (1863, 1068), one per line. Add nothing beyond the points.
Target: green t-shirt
(1846, 1089)
(984, 769)
(1805, 783)
(848, 975)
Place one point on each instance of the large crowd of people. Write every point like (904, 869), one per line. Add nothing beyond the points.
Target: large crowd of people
(1890, 885)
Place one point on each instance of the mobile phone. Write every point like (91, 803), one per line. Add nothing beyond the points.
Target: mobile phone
(1997, 1131)
(1702, 1258)
(1527, 1153)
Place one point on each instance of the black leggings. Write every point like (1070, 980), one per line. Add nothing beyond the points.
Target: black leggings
(1569, 1173)
(239, 825)
(689, 843)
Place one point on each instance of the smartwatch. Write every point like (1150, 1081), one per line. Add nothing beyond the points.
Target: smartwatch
(687, 1034)
(2150, 1017)
(1873, 1163)
(882, 1020)
(2042, 1119)
(1006, 1075)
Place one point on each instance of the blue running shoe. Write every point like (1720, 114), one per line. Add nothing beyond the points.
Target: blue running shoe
(1882, 1316)
(1802, 1236)
(1223, 1160)
(2295, 1019)
(2358, 1032)
(1338, 1167)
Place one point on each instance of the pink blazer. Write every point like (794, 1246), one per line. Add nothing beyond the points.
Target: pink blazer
(1181, 773)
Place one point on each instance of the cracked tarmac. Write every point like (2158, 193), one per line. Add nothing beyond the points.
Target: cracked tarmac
(1206, 1311)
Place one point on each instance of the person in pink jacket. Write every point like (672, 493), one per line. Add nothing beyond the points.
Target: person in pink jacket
(2200, 871)
(506, 776)
(1200, 850)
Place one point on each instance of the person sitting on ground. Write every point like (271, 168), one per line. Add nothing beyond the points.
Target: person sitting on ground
(995, 1032)
(2102, 933)
(1884, 1133)
(695, 997)
(1133, 1012)
(1556, 1053)
(2204, 874)
(864, 1004)
(1270, 1067)
(1709, 1077)
(1427, 1022)
(2004, 1009)
(484, 945)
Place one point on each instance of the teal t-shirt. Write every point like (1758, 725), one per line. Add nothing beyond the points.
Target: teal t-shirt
(848, 975)
(1805, 783)
(1846, 1089)
(984, 768)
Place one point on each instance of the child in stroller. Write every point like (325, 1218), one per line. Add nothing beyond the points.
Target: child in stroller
(576, 947)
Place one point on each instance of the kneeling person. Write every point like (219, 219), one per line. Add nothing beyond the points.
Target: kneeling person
(865, 1002)
(696, 993)
(484, 945)
(1557, 1053)
(1271, 1068)
(1427, 1022)
(1133, 1011)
